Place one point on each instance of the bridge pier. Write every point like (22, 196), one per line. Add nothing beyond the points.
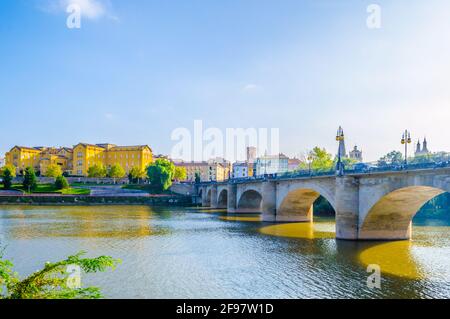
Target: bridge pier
(205, 197)
(269, 201)
(214, 195)
(232, 198)
(347, 208)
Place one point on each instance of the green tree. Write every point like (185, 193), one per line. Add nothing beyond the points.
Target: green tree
(29, 180)
(136, 174)
(53, 170)
(346, 161)
(318, 159)
(161, 173)
(180, 173)
(52, 282)
(8, 173)
(427, 158)
(391, 158)
(97, 170)
(116, 171)
(197, 177)
(61, 182)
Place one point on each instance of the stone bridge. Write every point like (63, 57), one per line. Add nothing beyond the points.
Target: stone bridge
(375, 206)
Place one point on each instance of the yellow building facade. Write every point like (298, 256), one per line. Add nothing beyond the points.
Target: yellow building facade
(87, 155)
(208, 171)
(56, 156)
(22, 157)
(77, 160)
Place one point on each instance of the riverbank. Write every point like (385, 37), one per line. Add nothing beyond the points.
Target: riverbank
(77, 200)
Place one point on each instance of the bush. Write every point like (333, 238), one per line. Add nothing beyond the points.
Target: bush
(61, 183)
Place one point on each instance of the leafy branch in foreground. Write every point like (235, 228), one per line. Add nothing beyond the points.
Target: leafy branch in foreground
(52, 282)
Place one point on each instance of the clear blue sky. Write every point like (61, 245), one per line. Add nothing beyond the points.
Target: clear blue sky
(138, 69)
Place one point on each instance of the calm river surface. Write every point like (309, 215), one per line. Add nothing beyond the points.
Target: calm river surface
(189, 253)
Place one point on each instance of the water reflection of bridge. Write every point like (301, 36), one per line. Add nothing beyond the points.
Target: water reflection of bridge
(372, 205)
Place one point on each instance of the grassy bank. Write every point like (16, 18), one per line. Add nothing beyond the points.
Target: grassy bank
(50, 189)
(81, 200)
(146, 188)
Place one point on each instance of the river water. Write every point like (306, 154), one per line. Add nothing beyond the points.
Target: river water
(195, 253)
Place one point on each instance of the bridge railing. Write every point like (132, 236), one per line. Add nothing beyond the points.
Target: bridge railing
(361, 169)
(358, 168)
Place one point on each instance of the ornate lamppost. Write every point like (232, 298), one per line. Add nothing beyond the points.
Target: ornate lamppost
(309, 158)
(339, 139)
(406, 139)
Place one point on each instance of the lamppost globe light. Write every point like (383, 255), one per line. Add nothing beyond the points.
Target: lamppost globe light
(406, 139)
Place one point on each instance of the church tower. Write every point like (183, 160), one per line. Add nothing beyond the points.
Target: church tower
(422, 150)
(417, 148)
(424, 146)
(356, 154)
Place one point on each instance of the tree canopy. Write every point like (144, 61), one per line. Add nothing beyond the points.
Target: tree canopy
(52, 281)
(29, 180)
(318, 159)
(97, 170)
(116, 171)
(197, 177)
(161, 173)
(7, 174)
(136, 174)
(391, 158)
(347, 162)
(53, 170)
(180, 173)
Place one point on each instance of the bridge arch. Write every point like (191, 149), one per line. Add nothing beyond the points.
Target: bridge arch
(208, 197)
(390, 218)
(295, 200)
(222, 200)
(250, 201)
(297, 204)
